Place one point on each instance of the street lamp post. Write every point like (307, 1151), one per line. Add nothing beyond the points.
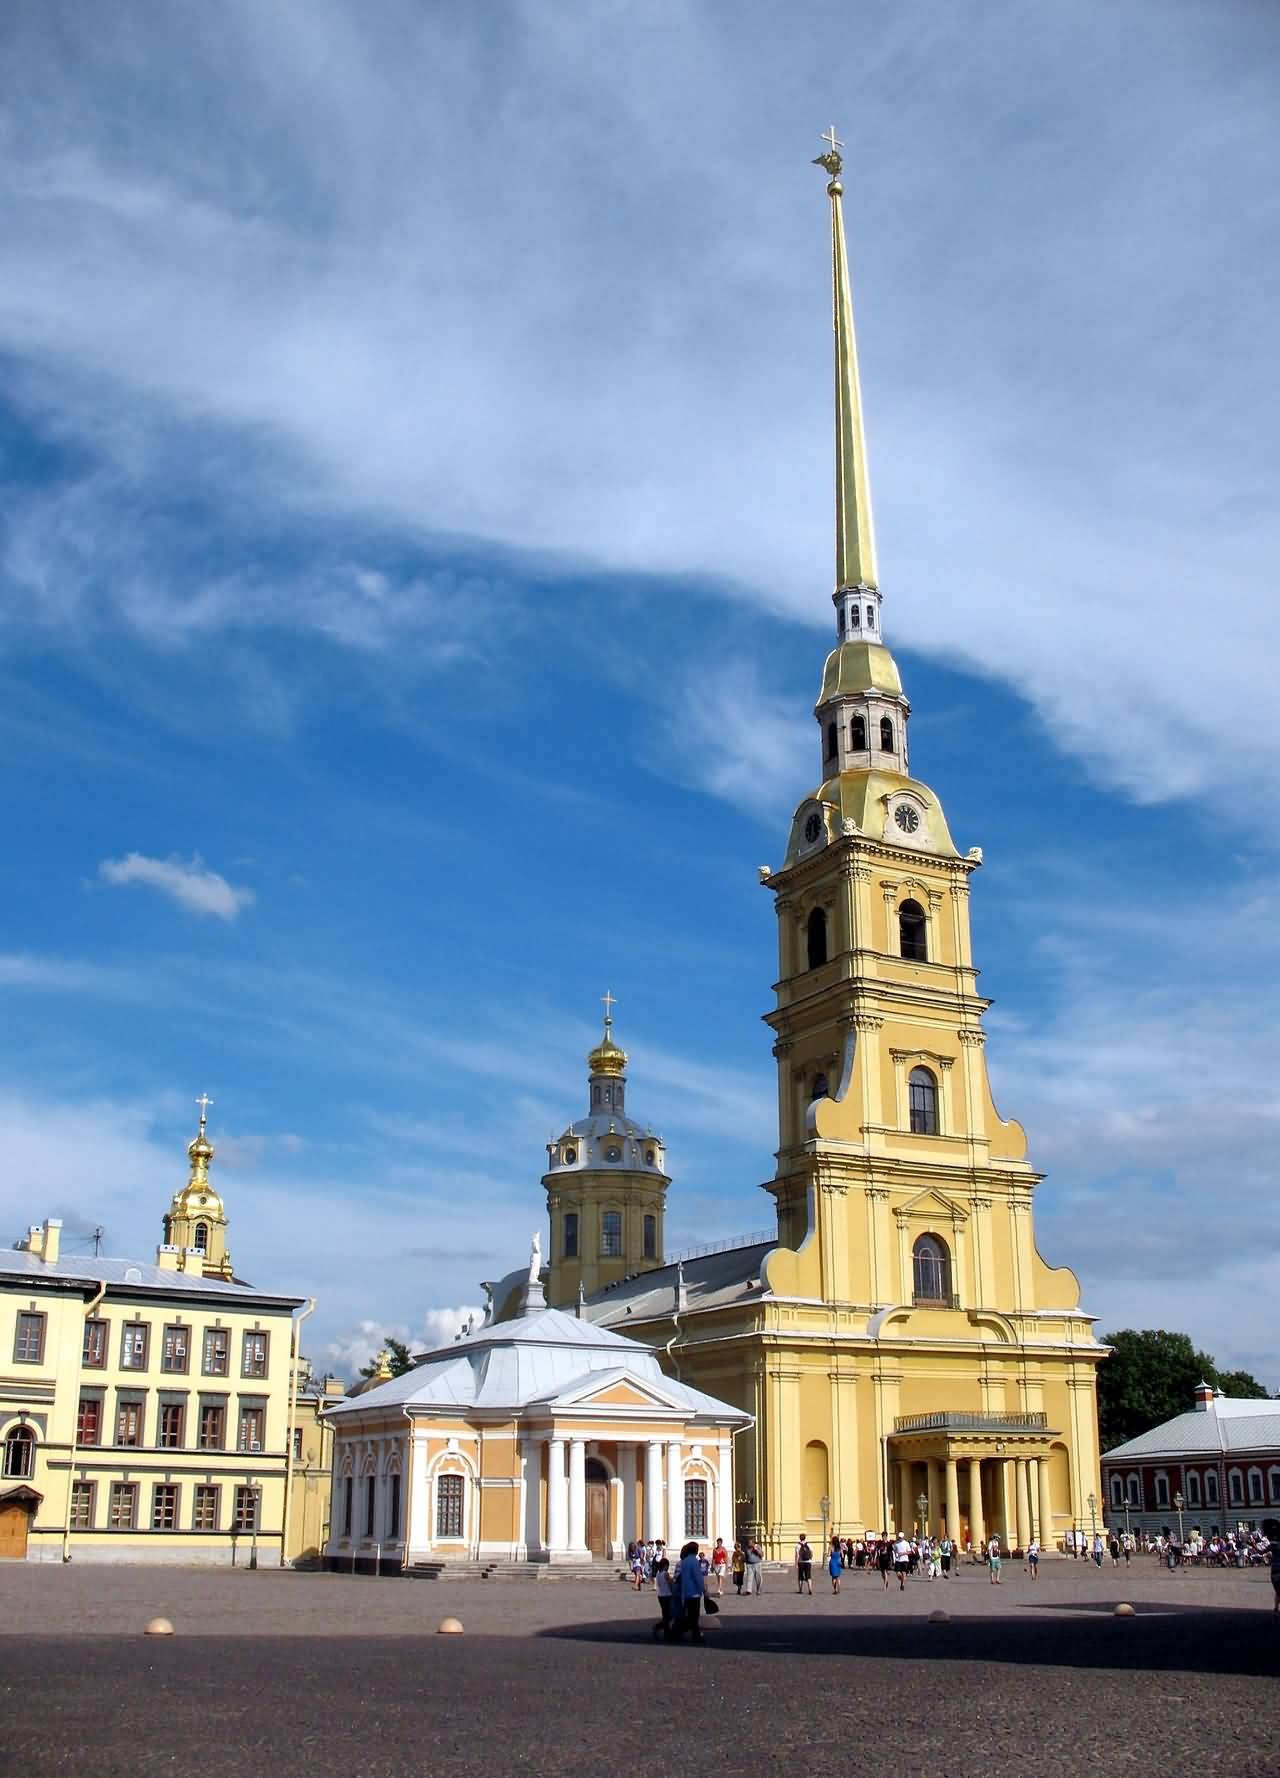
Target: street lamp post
(922, 1507)
(1093, 1514)
(1178, 1505)
(824, 1507)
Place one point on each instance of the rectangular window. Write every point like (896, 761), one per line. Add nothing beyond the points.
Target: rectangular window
(124, 1506)
(1193, 1488)
(297, 1444)
(246, 1510)
(251, 1428)
(213, 1426)
(28, 1344)
(695, 1509)
(95, 1345)
(346, 1506)
(82, 1504)
(370, 1503)
(1236, 1487)
(611, 1234)
(571, 1235)
(1211, 1487)
(1255, 1487)
(172, 1425)
(129, 1423)
(217, 1351)
(89, 1421)
(176, 1353)
(205, 1513)
(449, 1506)
(164, 1507)
(393, 1508)
(253, 1357)
(1162, 1490)
(133, 1346)
(651, 1237)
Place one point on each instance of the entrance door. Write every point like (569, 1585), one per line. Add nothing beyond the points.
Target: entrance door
(14, 1521)
(598, 1518)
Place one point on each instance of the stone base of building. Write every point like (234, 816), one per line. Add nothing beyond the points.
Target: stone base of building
(152, 1554)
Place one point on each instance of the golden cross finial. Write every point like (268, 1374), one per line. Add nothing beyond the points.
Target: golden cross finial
(204, 1102)
(609, 1003)
(832, 159)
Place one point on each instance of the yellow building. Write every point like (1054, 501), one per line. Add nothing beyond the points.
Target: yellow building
(309, 1486)
(144, 1408)
(904, 1351)
(537, 1437)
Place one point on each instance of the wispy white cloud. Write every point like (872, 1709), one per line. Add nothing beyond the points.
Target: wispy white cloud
(728, 735)
(190, 883)
(1073, 433)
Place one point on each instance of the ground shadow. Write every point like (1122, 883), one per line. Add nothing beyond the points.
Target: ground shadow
(1158, 1638)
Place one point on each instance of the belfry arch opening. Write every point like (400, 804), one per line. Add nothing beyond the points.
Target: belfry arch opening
(886, 734)
(816, 937)
(858, 734)
(913, 939)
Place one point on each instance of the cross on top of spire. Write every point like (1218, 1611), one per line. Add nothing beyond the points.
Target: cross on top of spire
(832, 160)
(204, 1102)
(608, 1002)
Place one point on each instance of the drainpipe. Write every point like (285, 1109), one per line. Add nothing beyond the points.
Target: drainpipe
(90, 1306)
(296, 1347)
(679, 1305)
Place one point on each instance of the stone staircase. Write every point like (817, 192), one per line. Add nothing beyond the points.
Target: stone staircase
(499, 1569)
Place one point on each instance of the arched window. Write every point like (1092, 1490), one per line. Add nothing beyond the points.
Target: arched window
(922, 1094)
(1235, 1487)
(611, 1234)
(853, 616)
(1273, 1484)
(1135, 1489)
(817, 937)
(1211, 1487)
(858, 734)
(871, 617)
(1255, 1487)
(820, 1088)
(1162, 1488)
(886, 735)
(1117, 1491)
(202, 1237)
(1193, 1487)
(831, 740)
(20, 1452)
(912, 932)
(931, 1269)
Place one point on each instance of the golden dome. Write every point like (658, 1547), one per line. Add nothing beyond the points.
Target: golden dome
(607, 1057)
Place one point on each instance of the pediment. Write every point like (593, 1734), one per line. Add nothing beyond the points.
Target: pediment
(619, 1391)
(931, 1205)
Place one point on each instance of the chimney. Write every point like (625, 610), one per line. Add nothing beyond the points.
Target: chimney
(44, 1239)
(1204, 1397)
(167, 1258)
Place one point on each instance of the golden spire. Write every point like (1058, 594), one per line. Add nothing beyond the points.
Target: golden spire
(200, 1151)
(855, 534)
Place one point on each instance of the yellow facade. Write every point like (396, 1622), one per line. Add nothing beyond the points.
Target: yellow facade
(144, 1410)
(908, 1357)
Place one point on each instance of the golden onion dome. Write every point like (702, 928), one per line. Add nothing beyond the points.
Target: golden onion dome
(607, 1057)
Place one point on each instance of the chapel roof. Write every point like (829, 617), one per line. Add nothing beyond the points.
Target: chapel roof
(1226, 1425)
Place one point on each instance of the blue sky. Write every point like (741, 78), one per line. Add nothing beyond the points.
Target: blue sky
(415, 555)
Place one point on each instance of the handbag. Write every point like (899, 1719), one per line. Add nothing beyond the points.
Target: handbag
(711, 1606)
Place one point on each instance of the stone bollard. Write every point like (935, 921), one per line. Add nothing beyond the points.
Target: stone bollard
(449, 1627)
(159, 1626)
(1123, 1610)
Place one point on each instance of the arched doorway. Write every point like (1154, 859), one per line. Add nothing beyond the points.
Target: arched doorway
(597, 1477)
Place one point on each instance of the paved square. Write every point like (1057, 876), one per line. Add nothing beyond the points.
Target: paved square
(307, 1675)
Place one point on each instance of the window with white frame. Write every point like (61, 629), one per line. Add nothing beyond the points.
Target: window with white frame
(1117, 1491)
(449, 1505)
(1192, 1487)
(1255, 1487)
(1162, 1488)
(1135, 1489)
(1211, 1487)
(1235, 1487)
(1273, 1483)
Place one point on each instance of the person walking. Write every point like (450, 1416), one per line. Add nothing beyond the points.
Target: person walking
(804, 1566)
(662, 1587)
(835, 1563)
(755, 1567)
(1033, 1559)
(944, 1549)
(738, 1567)
(993, 1562)
(692, 1591)
(902, 1561)
(719, 1563)
(884, 1559)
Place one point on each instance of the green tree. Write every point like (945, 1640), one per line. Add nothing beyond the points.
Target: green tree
(401, 1361)
(1150, 1376)
(1242, 1383)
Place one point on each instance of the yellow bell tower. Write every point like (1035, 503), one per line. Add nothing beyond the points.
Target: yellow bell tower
(606, 1185)
(196, 1224)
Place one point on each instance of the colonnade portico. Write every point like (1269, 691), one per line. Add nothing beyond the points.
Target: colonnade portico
(982, 1475)
(646, 1492)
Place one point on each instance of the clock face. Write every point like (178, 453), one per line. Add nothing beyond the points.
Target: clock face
(613, 1154)
(906, 817)
(812, 826)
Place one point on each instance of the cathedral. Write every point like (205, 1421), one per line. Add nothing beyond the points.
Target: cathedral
(906, 1356)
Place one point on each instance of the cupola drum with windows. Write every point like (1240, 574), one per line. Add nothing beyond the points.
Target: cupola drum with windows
(606, 1184)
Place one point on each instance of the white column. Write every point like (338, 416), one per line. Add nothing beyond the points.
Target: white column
(577, 1494)
(557, 1503)
(724, 1494)
(675, 1495)
(653, 1489)
(629, 1527)
(1046, 1507)
(531, 1518)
